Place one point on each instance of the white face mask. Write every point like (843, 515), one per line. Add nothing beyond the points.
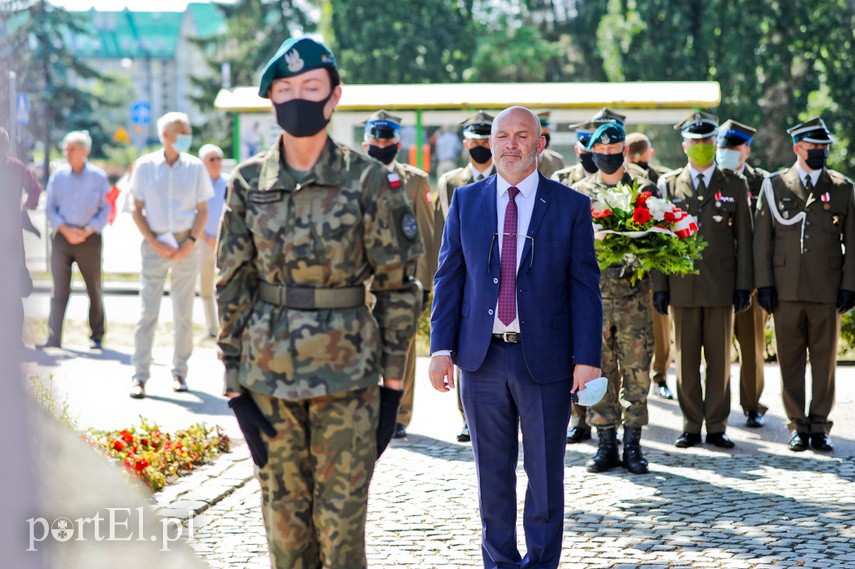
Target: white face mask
(727, 158)
(593, 392)
(183, 142)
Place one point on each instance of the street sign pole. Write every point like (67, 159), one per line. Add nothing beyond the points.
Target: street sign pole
(13, 112)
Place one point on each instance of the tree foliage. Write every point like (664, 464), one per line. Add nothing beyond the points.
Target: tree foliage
(408, 41)
(35, 46)
(254, 31)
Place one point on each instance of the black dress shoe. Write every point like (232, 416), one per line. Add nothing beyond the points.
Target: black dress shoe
(687, 440)
(754, 420)
(577, 435)
(798, 442)
(463, 435)
(49, 344)
(95, 344)
(720, 440)
(663, 391)
(821, 441)
(400, 431)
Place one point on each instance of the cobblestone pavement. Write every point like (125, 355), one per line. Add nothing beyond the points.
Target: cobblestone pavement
(755, 506)
(696, 509)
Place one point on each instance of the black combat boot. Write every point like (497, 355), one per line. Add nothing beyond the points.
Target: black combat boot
(607, 452)
(633, 460)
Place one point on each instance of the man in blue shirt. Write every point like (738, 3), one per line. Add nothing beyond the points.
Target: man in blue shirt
(212, 156)
(77, 209)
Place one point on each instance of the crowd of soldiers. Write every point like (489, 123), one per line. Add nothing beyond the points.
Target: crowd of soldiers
(775, 247)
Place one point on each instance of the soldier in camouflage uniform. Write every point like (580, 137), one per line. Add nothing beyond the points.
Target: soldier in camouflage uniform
(627, 325)
(382, 142)
(549, 161)
(749, 327)
(476, 140)
(308, 224)
(640, 153)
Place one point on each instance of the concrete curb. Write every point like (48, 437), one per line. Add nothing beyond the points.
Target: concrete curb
(195, 493)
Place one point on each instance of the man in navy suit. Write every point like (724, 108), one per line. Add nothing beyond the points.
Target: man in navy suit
(517, 307)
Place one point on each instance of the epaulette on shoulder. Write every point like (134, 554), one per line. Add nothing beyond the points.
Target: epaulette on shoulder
(671, 173)
(776, 173)
(410, 169)
(839, 178)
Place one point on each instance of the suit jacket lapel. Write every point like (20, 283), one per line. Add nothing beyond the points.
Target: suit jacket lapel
(794, 183)
(541, 204)
(488, 209)
(683, 187)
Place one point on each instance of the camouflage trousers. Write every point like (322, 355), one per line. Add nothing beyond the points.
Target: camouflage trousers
(627, 353)
(314, 487)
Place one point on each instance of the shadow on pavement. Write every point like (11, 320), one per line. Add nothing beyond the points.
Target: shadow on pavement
(206, 404)
(435, 448)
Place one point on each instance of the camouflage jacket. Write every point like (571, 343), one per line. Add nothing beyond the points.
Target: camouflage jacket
(345, 224)
(570, 175)
(615, 281)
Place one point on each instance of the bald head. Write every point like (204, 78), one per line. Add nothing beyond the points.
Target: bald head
(639, 148)
(516, 140)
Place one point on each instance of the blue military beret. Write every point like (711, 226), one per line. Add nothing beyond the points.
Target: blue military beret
(295, 56)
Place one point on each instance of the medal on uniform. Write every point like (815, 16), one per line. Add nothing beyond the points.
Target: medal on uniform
(718, 200)
(826, 197)
(717, 218)
(835, 219)
(786, 214)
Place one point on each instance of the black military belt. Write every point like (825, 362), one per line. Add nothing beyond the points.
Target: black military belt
(508, 337)
(311, 298)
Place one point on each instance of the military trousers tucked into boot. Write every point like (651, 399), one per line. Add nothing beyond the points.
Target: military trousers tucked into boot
(314, 487)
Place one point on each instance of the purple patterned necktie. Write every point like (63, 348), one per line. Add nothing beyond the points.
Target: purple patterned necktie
(508, 277)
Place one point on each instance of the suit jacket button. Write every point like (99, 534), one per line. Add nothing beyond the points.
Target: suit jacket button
(495, 281)
(490, 312)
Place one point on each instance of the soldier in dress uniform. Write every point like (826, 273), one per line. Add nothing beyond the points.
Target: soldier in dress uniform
(703, 304)
(804, 231)
(549, 161)
(476, 140)
(627, 325)
(585, 165)
(308, 225)
(734, 147)
(640, 152)
(382, 141)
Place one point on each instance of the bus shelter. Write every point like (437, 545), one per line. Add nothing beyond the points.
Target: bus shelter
(426, 107)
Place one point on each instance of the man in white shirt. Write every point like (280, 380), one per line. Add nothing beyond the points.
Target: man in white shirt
(170, 189)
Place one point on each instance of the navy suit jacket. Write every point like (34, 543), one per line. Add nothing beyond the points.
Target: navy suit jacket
(558, 293)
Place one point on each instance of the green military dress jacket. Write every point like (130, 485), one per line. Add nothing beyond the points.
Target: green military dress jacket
(724, 222)
(345, 224)
(417, 188)
(799, 238)
(549, 162)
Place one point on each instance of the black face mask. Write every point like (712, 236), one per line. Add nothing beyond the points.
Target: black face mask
(608, 163)
(546, 136)
(645, 165)
(480, 154)
(385, 154)
(816, 158)
(300, 118)
(587, 162)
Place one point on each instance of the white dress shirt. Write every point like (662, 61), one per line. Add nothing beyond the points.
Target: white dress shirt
(706, 173)
(477, 174)
(814, 175)
(170, 193)
(525, 205)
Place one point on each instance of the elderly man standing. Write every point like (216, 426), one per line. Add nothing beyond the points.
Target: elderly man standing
(77, 209)
(171, 190)
(500, 304)
(211, 156)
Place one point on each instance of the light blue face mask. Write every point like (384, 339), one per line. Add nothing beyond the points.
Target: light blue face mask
(593, 392)
(727, 158)
(183, 142)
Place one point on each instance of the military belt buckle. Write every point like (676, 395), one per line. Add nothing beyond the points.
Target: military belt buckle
(301, 298)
